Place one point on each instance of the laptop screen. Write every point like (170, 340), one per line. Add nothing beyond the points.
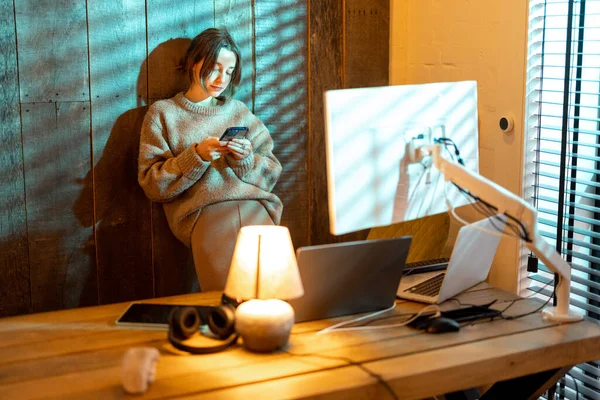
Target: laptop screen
(349, 278)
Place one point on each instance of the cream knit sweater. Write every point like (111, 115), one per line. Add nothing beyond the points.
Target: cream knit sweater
(171, 172)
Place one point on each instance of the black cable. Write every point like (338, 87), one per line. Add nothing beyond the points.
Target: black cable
(493, 212)
(525, 234)
(483, 209)
(576, 386)
(461, 304)
(449, 153)
(445, 141)
(530, 296)
(466, 304)
(492, 209)
(353, 363)
(513, 317)
(522, 231)
(512, 302)
(485, 306)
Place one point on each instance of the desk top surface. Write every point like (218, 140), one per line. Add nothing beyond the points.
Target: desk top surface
(78, 353)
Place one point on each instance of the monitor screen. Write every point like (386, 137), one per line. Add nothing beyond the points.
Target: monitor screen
(375, 174)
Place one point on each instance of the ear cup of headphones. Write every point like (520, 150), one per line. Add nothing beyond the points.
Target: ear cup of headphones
(184, 322)
(221, 321)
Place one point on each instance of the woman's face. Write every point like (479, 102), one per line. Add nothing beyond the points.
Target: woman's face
(220, 76)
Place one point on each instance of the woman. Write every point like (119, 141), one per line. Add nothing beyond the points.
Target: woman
(209, 188)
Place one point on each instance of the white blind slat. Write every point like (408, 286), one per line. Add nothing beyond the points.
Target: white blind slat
(554, 118)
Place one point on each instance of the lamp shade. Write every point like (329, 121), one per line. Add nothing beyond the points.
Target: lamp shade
(264, 265)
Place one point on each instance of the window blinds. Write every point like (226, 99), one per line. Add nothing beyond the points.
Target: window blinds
(563, 161)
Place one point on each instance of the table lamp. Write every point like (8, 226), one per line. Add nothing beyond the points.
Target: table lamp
(264, 272)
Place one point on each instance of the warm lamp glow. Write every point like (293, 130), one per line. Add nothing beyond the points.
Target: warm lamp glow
(264, 265)
(264, 272)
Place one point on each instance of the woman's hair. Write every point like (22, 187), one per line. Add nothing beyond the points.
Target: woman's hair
(206, 46)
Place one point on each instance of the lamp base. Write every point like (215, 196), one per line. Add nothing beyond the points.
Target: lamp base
(264, 325)
(552, 314)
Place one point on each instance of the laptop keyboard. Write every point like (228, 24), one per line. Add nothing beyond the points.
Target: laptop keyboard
(426, 263)
(418, 267)
(431, 287)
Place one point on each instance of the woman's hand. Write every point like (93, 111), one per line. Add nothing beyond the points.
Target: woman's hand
(239, 148)
(211, 149)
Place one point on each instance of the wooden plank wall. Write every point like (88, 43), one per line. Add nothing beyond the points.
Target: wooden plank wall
(326, 72)
(77, 78)
(349, 47)
(281, 101)
(55, 115)
(15, 291)
(117, 48)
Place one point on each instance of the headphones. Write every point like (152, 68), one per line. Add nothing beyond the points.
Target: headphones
(184, 323)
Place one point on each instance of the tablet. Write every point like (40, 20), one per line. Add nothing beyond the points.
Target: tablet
(155, 316)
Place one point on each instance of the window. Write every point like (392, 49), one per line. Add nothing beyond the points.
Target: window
(563, 161)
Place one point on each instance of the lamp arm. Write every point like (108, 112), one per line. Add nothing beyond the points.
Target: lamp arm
(508, 203)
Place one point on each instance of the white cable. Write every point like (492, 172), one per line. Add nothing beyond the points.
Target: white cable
(328, 329)
(336, 327)
(452, 210)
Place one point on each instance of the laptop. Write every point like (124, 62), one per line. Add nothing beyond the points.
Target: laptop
(349, 278)
(469, 265)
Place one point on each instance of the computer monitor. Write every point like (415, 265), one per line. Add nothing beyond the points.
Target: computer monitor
(375, 177)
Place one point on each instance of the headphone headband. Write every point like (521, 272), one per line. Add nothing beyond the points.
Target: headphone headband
(181, 345)
(185, 321)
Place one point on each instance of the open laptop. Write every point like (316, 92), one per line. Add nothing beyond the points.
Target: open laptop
(349, 278)
(469, 265)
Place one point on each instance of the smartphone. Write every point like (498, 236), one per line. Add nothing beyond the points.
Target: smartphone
(236, 132)
(155, 316)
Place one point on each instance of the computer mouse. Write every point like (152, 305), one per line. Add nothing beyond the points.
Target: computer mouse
(442, 325)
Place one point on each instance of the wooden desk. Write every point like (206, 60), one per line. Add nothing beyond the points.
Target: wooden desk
(77, 354)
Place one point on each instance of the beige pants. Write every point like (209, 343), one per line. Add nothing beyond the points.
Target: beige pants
(214, 236)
